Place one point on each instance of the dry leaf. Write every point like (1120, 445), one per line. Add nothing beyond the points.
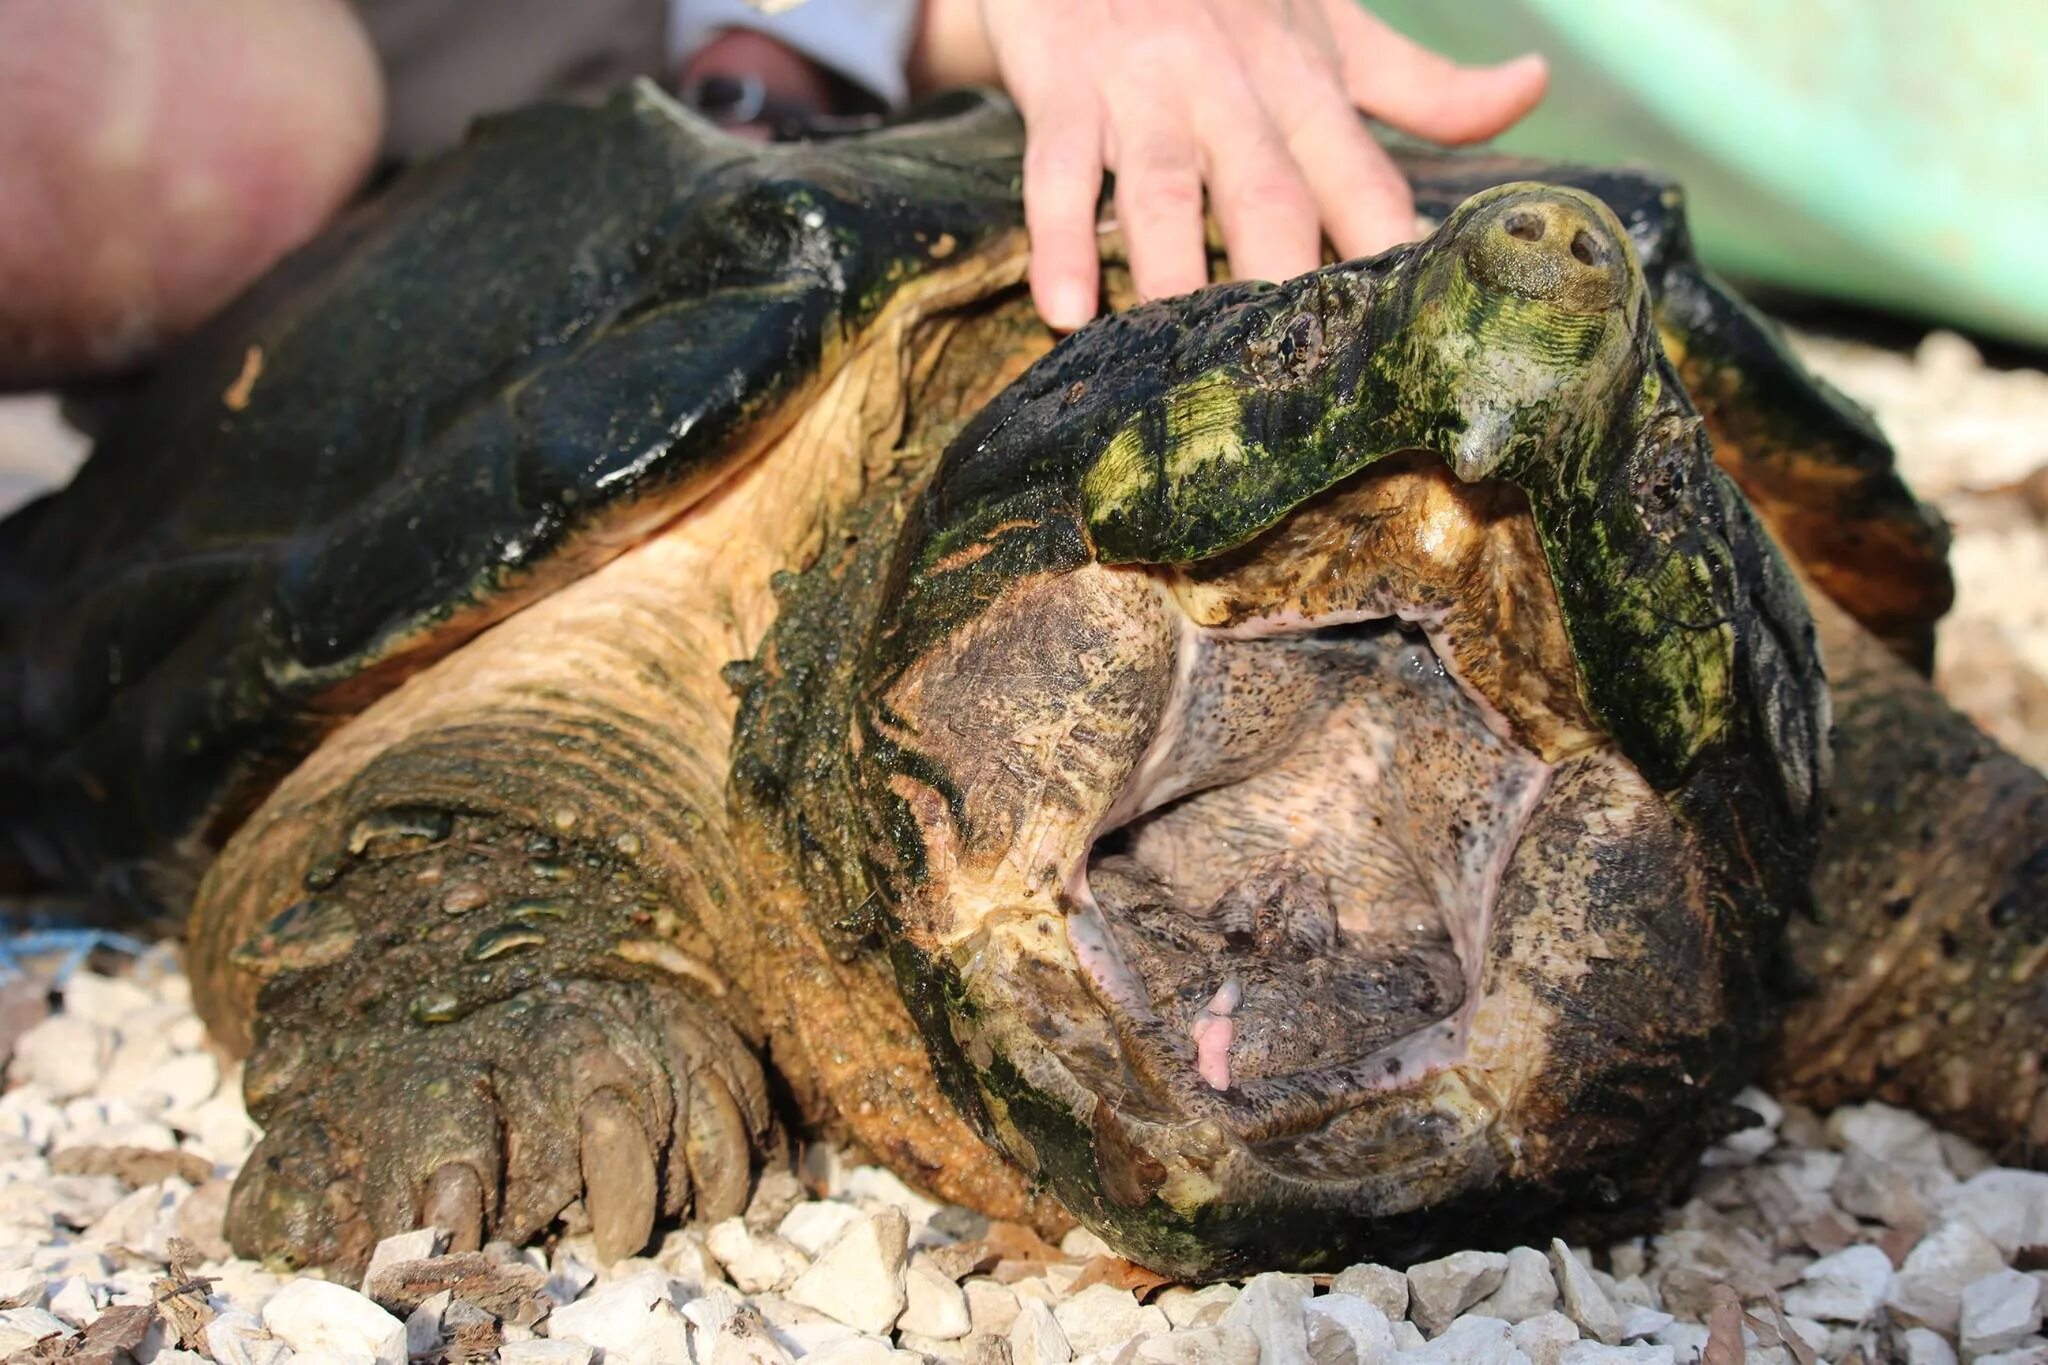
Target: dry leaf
(1724, 1329)
(1115, 1270)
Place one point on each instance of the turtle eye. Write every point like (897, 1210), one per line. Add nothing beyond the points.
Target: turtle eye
(1288, 350)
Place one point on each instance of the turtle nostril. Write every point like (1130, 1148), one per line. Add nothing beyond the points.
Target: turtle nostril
(1527, 227)
(1585, 250)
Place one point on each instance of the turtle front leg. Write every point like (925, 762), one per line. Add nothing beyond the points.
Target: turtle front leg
(484, 947)
(1929, 950)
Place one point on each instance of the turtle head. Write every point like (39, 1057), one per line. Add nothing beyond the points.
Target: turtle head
(1327, 756)
(1528, 309)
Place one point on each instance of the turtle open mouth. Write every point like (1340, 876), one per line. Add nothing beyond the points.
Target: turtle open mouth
(1272, 800)
(1288, 902)
(1301, 874)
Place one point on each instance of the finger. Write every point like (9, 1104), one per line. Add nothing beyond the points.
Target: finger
(1363, 199)
(1418, 91)
(1062, 185)
(1269, 218)
(1158, 195)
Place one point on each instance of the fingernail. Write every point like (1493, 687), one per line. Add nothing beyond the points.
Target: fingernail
(1528, 61)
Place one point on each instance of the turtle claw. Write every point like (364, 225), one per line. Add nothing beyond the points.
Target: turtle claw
(618, 1176)
(628, 1095)
(454, 1203)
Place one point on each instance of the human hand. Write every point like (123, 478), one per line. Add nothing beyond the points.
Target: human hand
(1255, 101)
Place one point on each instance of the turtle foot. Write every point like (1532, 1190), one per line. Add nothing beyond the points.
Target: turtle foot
(464, 1024)
(625, 1098)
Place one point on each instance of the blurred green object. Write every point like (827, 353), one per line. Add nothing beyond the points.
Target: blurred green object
(1890, 152)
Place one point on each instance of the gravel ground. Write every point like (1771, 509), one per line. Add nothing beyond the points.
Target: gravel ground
(1865, 1234)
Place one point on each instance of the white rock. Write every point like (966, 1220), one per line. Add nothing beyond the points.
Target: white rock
(812, 1226)
(1928, 1288)
(1200, 1346)
(625, 1316)
(242, 1284)
(685, 1258)
(144, 1222)
(1623, 1293)
(1878, 1189)
(24, 1287)
(316, 1318)
(1639, 1323)
(993, 1307)
(744, 1339)
(1585, 1303)
(1847, 1286)
(235, 1338)
(1368, 1330)
(2032, 1351)
(1381, 1286)
(542, 1351)
(1687, 1340)
(417, 1245)
(63, 1055)
(1882, 1130)
(1746, 1145)
(220, 1129)
(755, 1261)
(1596, 1353)
(1204, 1307)
(2008, 1206)
(1526, 1289)
(1102, 1316)
(1471, 1340)
(1271, 1308)
(933, 1305)
(1084, 1245)
(569, 1275)
(858, 1279)
(1999, 1312)
(876, 1184)
(801, 1330)
(178, 1358)
(21, 1328)
(423, 1324)
(1924, 1346)
(1544, 1337)
(104, 1000)
(1439, 1290)
(75, 1302)
(862, 1350)
(1036, 1337)
(1408, 1337)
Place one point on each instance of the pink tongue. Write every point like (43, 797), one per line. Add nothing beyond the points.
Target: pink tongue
(1214, 1032)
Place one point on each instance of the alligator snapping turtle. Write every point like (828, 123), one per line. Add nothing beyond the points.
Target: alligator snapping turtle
(1290, 771)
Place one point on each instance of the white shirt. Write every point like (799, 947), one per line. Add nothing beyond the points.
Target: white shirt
(866, 41)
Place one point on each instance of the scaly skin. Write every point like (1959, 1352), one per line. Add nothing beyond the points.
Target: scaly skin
(1927, 954)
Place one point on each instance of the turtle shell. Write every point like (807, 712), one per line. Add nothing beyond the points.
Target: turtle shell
(525, 355)
(496, 375)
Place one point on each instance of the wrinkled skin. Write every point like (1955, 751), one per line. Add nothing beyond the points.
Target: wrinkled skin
(1294, 772)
